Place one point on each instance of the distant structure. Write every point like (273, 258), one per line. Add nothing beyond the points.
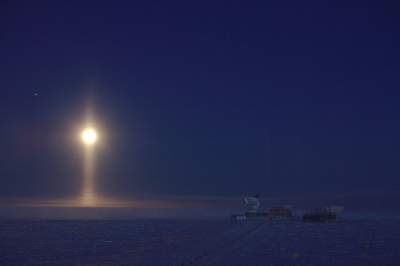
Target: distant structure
(284, 212)
(252, 204)
(325, 214)
(280, 212)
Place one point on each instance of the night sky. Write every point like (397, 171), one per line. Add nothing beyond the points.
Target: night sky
(197, 98)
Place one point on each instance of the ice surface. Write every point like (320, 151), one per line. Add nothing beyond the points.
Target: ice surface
(199, 242)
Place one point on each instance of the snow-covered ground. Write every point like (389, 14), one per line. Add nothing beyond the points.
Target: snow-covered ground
(199, 242)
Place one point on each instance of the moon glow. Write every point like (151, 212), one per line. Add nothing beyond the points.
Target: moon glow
(89, 136)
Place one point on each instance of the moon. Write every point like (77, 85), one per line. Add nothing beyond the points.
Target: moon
(89, 136)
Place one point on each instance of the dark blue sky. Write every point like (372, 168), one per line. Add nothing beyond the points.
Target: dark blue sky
(201, 98)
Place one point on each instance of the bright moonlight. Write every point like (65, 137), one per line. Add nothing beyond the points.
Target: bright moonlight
(89, 136)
